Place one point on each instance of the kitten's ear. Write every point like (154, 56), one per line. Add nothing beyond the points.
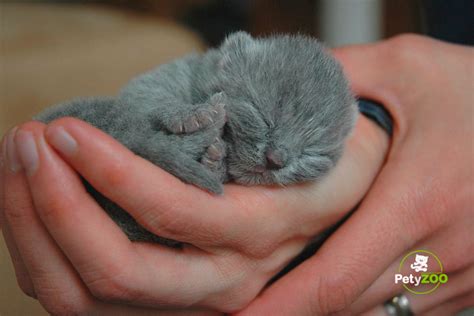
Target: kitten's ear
(238, 41)
(236, 44)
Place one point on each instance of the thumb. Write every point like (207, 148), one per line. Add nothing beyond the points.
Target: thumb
(378, 71)
(337, 274)
(350, 260)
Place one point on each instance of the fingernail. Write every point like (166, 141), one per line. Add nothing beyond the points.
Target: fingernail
(13, 160)
(60, 139)
(26, 146)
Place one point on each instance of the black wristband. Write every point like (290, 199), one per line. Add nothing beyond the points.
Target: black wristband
(377, 113)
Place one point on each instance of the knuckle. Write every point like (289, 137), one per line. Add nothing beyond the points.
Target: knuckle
(411, 222)
(26, 287)
(409, 51)
(334, 294)
(65, 302)
(64, 307)
(432, 211)
(12, 216)
(16, 216)
(234, 301)
(259, 233)
(115, 174)
(425, 209)
(171, 218)
(409, 39)
(239, 290)
(23, 279)
(113, 288)
(258, 249)
(52, 211)
(59, 296)
(161, 219)
(408, 42)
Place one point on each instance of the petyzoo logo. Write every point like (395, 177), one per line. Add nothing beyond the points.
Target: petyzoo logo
(421, 272)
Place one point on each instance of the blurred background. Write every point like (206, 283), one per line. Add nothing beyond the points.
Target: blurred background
(52, 51)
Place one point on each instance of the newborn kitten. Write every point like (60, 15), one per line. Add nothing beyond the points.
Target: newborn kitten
(274, 110)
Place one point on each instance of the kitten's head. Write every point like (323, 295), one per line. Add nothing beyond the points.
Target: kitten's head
(290, 108)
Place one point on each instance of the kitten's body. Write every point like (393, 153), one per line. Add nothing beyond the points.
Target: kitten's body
(285, 100)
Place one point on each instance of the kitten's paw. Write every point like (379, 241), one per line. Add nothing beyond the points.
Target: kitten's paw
(205, 115)
(214, 159)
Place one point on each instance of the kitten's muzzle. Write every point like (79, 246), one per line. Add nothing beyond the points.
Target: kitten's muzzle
(274, 160)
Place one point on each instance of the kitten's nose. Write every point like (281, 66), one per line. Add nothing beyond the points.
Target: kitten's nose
(274, 159)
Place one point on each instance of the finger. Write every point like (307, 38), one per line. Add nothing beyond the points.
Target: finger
(366, 64)
(396, 214)
(17, 191)
(172, 209)
(366, 67)
(157, 200)
(458, 284)
(339, 268)
(61, 292)
(457, 256)
(126, 272)
(72, 232)
(54, 281)
(454, 306)
(52, 274)
(355, 60)
(321, 203)
(21, 273)
(447, 302)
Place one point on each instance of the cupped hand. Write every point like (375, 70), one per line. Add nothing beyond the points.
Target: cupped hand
(422, 198)
(73, 258)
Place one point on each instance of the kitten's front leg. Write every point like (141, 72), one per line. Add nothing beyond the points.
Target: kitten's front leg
(185, 119)
(180, 157)
(214, 159)
(196, 157)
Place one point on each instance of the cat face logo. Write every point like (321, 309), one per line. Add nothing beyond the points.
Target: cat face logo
(420, 272)
(420, 264)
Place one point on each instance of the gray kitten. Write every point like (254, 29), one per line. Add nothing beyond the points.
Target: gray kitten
(273, 110)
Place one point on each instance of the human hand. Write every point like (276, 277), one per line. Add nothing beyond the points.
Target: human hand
(73, 258)
(422, 198)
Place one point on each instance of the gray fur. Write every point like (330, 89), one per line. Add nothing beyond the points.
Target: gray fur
(274, 110)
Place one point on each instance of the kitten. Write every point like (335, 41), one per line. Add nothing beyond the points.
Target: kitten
(273, 110)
